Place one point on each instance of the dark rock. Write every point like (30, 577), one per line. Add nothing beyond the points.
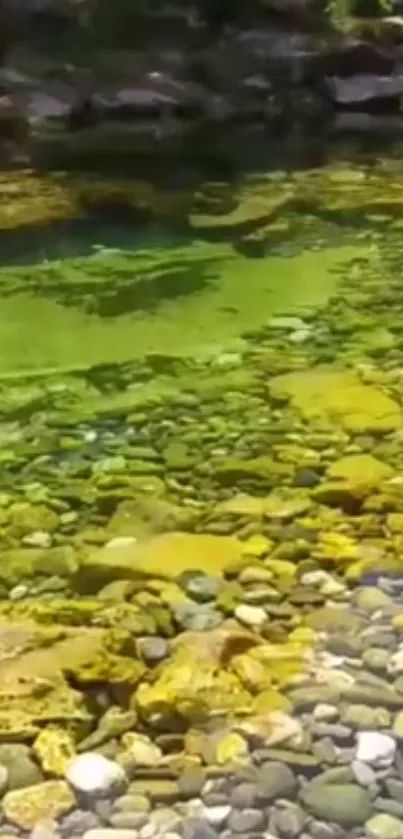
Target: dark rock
(364, 88)
(78, 822)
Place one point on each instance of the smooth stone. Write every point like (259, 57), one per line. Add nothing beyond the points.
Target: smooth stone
(200, 587)
(275, 780)
(198, 829)
(78, 822)
(389, 805)
(253, 616)
(22, 770)
(394, 787)
(321, 830)
(376, 658)
(4, 779)
(246, 821)
(325, 713)
(363, 774)
(362, 717)
(191, 781)
(243, 796)
(289, 823)
(384, 826)
(216, 816)
(345, 804)
(94, 774)
(128, 821)
(397, 727)
(371, 599)
(375, 748)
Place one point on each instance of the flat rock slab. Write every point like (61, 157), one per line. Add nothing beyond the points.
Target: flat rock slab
(337, 396)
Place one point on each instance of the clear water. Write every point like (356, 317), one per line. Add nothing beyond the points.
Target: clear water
(201, 508)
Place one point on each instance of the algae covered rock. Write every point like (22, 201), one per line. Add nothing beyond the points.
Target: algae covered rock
(165, 556)
(351, 479)
(194, 685)
(345, 804)
(27, 807)
(338, 397)
(54, 748)
(19, 564)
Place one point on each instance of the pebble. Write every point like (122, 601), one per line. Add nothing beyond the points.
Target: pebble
(375, 748)
(78, 822)
(253, 616)
(216, 816)
(94, 774)
(363, 774)
(198, 829)
(384, 826)
(325, 713)
(275, 780)
(246, 821)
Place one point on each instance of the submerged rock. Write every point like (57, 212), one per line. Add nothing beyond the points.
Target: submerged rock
(165, 556)
(94, 774)
(338, 397)
(26, 807)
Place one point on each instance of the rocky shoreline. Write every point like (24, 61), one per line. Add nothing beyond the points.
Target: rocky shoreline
(69, 91)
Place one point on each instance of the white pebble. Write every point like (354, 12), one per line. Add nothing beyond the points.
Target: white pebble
(216, 816)
(325, 713)
(375, 748)
(254, 616)
(95, 774)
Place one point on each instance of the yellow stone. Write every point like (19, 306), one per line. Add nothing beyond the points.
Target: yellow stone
(281, 568)
(270, 700)
(166, 556)
(362, 473)
(394, 522)
(337, 548)
(257, 546)
(231, 749)
(397, 621)
(48, 800)
(54, 748)
(337, 396)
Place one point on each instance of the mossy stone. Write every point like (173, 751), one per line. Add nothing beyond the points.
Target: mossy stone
(337, 396)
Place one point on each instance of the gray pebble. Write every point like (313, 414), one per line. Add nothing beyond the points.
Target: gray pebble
(275, 780)
(243, 796)
(191, 782)
(246, 821)
(336, 731)
(198, 829)
(395, 788)
(290, 822)
(323, 830)
(390, 806)
(78, 822)
(363, 774)
(200, 586)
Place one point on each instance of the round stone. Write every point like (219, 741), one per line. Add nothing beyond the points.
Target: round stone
(384, 826)
(246, 821)
(375, 748)
(94, 774)
(253, 616)
(275, 780)
(346, 804)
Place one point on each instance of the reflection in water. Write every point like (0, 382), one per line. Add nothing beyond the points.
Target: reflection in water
(201, 508)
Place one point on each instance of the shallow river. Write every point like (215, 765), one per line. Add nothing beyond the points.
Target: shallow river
(201, 505)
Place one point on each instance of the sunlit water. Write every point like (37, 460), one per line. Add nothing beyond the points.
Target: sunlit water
(201, 505)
